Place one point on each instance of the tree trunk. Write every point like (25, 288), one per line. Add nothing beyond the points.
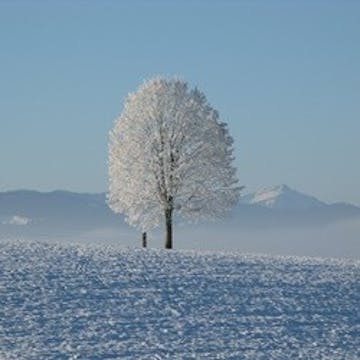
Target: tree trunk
(168, 221)
(144, 240)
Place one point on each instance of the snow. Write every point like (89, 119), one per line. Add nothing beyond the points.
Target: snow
(82, 302)
(282, 197)
(267, 197)
(17, 220)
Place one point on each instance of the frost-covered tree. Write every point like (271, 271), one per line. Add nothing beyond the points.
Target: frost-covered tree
(169, 154)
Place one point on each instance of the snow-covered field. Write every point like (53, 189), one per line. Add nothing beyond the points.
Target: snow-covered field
(76, 302)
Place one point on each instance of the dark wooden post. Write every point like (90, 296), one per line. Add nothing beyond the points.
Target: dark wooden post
(144, 240)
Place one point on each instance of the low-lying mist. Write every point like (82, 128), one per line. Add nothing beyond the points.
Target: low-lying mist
(340, 239)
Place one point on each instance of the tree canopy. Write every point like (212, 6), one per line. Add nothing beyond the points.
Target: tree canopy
(169, 153)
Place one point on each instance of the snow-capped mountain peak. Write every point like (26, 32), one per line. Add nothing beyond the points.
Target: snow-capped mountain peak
(268, 196)
(282, 197)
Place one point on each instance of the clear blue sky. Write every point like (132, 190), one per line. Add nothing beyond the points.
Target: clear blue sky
(285, 75)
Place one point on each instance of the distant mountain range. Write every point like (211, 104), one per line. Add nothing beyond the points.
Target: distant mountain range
(33, 213)
(26, 212)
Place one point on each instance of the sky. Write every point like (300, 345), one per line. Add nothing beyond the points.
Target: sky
(285, 76)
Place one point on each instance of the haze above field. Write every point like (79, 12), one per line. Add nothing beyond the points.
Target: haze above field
(283, 75)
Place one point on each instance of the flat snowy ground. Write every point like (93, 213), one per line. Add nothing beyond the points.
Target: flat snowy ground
(75, 302)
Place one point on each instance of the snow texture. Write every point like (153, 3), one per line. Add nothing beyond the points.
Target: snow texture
(76, 302)
(169, 151)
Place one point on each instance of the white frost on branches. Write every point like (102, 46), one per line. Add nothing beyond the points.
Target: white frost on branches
(169, 151)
